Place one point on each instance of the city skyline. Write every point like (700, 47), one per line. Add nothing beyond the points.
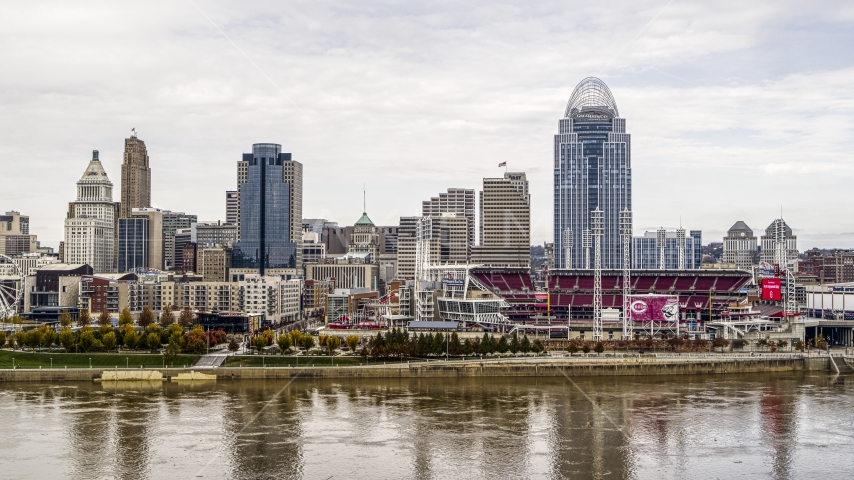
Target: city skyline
(708, 118)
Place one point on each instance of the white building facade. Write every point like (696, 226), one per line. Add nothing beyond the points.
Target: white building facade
(90, 227)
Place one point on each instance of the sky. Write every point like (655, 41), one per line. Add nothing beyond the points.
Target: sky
(737, 110)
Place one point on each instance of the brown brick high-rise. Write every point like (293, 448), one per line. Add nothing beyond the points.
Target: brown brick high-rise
(136, 177)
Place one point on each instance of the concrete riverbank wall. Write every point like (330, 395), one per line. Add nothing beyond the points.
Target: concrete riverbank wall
(539, 367)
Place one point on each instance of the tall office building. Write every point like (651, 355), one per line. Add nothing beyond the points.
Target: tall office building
(592, 168)
(231, 206)
(291, 173)
(460, 201)
(505, 222)
(133, 243)
(406, 246)
(136, 177)
(740, 246)
(447, 238)
(213, 234)
(365, 238)
(172, 223)
(15, 235)
(156, 253)
(90, 227)
(184, 241)
(265, 238)
(769, 243)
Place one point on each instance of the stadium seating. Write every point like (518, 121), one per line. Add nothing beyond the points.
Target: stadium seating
(663, 284)
(705, 283)
(684, 284)
(643, 284)
(726, 284)
(575, 288)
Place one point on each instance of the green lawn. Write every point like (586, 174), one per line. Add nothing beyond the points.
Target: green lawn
(78, 360)
(278, 361)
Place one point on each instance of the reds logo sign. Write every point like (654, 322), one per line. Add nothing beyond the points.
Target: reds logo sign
(639, 306)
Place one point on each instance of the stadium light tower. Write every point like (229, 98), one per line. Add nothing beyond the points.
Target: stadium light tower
(586, 243)
(597, 230)
(626, 235)
(567, 247)
(789, 302)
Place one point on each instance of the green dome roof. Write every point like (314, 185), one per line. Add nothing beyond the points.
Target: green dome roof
(365, 220)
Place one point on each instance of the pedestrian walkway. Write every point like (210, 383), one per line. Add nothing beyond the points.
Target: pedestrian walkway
(842, 364)
(211, 361)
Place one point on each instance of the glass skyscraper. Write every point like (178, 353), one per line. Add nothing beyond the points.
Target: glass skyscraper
(265, 212)
(592, 168)
(133, 244)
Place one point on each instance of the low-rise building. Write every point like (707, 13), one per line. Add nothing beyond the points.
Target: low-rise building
(350, 305)
(350, 273)
(277, 299)
(55, 285)
(837, 267)
(105, 292)
(30, 263)
(314, 296)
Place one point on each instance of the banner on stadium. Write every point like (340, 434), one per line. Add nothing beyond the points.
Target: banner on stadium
(771, 289)
(654, 308)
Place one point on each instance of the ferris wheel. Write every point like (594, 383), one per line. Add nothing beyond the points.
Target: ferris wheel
(11, 287)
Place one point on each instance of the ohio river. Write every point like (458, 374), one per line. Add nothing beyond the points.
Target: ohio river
(777, 426)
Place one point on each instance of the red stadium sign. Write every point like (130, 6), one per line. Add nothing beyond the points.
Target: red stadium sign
(771, 289)
(654, 308)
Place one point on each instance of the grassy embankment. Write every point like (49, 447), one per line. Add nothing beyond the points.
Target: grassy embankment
(285, 361)
(81, 360)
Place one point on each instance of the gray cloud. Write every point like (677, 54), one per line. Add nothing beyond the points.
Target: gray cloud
(735, 109)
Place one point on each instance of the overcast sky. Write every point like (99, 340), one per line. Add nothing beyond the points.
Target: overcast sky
(735, 108)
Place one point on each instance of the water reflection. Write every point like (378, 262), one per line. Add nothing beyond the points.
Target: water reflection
(759, 426)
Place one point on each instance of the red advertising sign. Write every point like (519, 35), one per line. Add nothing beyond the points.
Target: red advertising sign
(654, 308)
(771, 289)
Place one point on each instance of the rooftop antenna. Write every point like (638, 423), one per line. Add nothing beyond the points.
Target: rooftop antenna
(364, 199)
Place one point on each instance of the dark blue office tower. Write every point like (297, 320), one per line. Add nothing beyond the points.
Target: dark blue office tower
(592, 169)
(265, 212)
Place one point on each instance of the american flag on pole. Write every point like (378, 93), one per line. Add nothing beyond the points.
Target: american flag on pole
(502, 164)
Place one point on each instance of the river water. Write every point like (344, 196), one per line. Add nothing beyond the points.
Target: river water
(776, 426)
